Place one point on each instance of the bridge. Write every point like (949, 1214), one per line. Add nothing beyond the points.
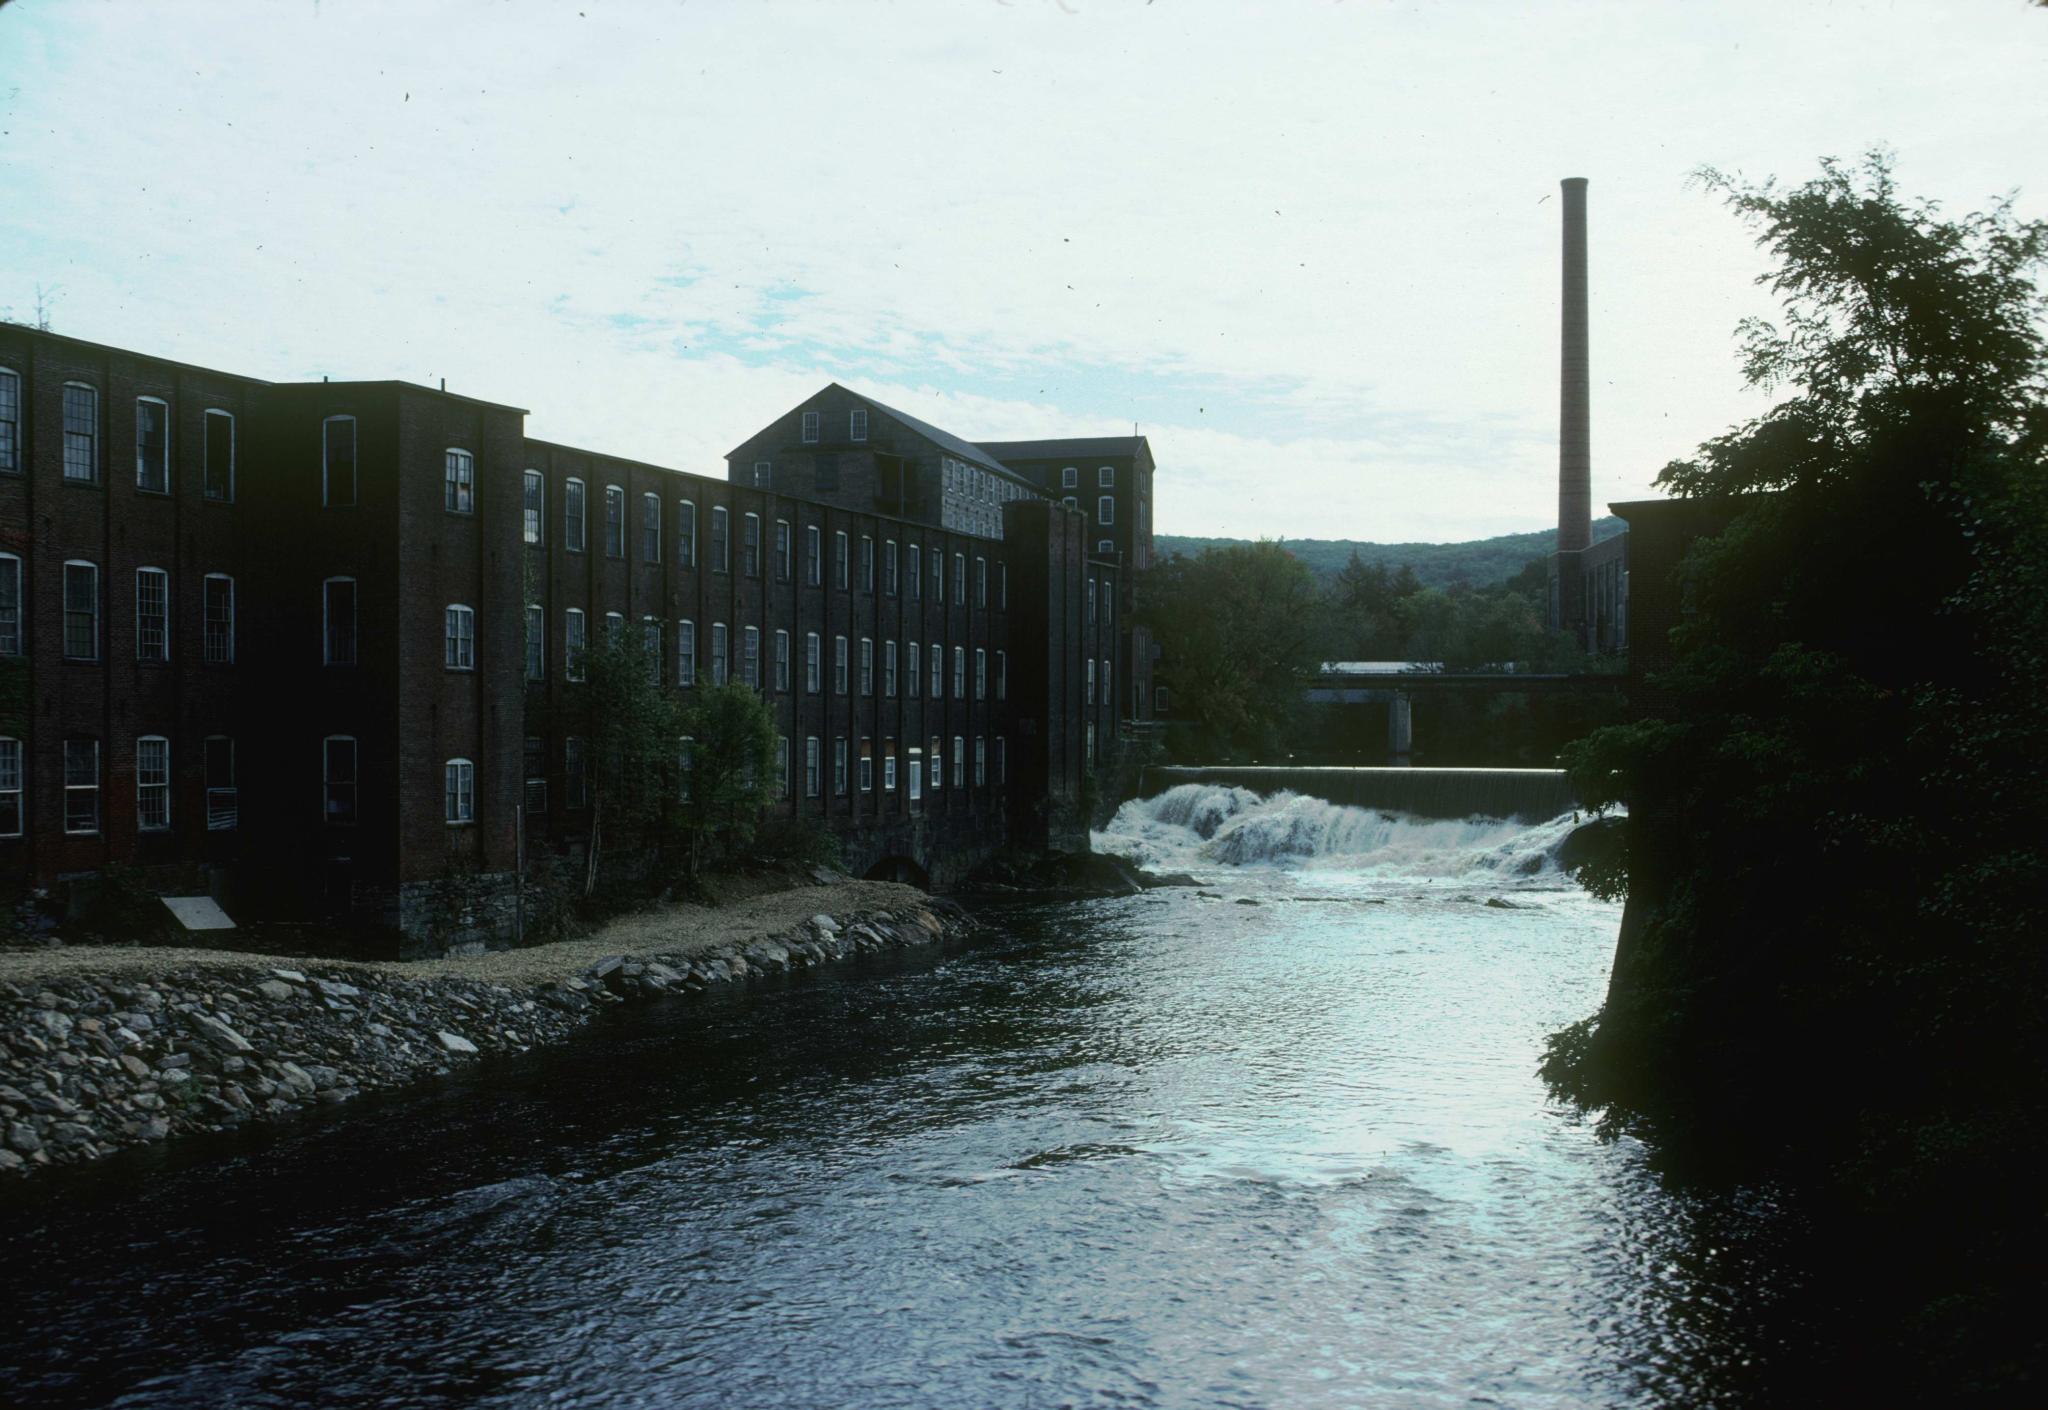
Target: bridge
(1395, 684)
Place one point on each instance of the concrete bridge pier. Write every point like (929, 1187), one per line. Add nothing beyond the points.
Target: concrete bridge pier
(1400, 729)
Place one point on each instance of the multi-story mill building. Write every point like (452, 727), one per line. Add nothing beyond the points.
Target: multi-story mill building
(844, 448)
(321, 639)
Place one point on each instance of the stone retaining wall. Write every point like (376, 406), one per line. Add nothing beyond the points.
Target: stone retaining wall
(92, 1064)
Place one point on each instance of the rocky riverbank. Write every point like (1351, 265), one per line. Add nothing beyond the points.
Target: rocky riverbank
(102, 1049)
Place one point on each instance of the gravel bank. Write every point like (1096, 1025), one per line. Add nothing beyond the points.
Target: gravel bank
(101, 1049)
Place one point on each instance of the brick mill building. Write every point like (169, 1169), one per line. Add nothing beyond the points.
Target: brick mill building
(319, 641)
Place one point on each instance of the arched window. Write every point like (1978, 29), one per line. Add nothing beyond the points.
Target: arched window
(152, 615)
(338, 622)
(338, 780)
(575, 640)
(10, 421)
(459, 482)
(82, 437)
(459, 638)
(10, 605)
(460, 791)
(533, 513)
(81, 610)
(82, 785)
(686, 534)
(11, 810)
(338, 462)
(686, 653)
(573, 510)
(650, 528)
(217, 619)
(153, 783)
(217, 429)
(153, 445)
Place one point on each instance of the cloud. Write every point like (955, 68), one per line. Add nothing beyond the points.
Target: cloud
(1307, 249)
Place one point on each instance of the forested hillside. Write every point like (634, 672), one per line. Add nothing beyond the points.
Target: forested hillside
(1474, 563)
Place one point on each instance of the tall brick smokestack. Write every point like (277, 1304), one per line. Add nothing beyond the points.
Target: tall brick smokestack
(1574, 428)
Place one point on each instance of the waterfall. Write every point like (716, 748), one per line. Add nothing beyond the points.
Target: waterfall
(1198, 825)
(1530, 795)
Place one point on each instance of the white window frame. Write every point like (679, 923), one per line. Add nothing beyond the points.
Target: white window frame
(912, 682)
(1105, 477)
(1070, 477)
(458, 481)
(814, 555)
(1105, 510)
(226, 656)
(68, 609)
(91, 436)
(781, 659)
(535, 642)
(891, 578)
(938, 671)
(650, 528)
(750, 656)
(864, 764)
(959, 761)
(721, 539)
(785, 551)
(810, 428)
(813, 766)
(750, 544)
(458, 637)
(839, 665)
(328, 783)
(889, 669)
(959, 673)
(575, 644)
(867, 665)
(164, 407)
(355, 463)
(686, 533)
(71, 788)
(615, 498)
(10, 421)
(162, 654)
(13, 808)
(575, 515)
(814, 664)
(533, 508)
(458, 792)
(12, 640)
(686, 653)
(857, 425)
(721, 654)
(153, 786)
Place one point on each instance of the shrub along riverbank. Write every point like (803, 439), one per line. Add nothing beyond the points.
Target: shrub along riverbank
(104, 1049)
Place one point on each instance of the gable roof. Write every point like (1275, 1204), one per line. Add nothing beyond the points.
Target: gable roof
(1075, 448)
(967, 450)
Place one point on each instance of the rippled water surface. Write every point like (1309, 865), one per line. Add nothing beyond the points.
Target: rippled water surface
(1273, 1141)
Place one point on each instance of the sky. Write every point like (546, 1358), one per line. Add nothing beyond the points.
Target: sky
(1309, 249)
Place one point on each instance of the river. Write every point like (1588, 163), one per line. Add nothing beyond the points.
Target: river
(1276, 1140)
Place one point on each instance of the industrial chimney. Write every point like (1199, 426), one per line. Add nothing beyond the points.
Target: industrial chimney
(1574, 430)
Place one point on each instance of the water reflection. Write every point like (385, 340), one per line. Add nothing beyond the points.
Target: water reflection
(1156, 1151)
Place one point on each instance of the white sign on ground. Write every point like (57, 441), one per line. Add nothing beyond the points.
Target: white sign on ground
(198, 912)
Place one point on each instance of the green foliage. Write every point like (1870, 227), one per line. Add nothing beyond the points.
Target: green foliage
(1832, 954)
(634, 726)
(1474, 563)
(1241, 628)
(732, 747)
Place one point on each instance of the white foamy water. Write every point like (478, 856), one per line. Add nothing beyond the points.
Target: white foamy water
(1197, 826)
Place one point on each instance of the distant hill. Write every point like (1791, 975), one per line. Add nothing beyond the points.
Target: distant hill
(1475, 563)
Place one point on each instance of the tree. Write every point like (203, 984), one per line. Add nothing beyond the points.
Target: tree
(731, 743)
(1831, 960)
(634, 726)
(1240, 629)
